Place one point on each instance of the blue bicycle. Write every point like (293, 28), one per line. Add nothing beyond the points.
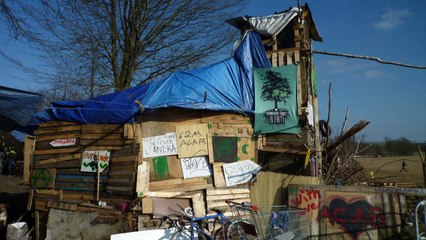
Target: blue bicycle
(229, 229)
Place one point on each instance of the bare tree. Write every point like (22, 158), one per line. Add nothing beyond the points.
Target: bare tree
(100, 45)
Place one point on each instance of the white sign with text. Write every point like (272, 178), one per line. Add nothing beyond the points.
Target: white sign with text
(196, 167)
(63, 142)
(162, 145)
(240, 172)
(90, 160)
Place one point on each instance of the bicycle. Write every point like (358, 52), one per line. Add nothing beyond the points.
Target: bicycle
(230, 229)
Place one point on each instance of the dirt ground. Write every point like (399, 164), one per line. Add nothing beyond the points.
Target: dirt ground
(388, 169)
(15, 195)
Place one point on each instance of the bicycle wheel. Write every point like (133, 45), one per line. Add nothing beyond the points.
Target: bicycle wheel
(241, 229)
(186, 235)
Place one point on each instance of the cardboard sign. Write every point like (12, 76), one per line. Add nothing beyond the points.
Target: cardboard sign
(90, 160)
(63, 142)
(240, 172)
(192, 140)
(162, 145)
(196, 167)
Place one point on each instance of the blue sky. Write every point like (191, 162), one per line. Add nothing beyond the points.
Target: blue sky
(392, 98)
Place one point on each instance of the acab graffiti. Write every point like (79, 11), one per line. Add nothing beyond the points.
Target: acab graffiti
(353, 216)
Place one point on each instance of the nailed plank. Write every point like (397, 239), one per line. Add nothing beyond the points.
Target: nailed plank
(216, 204)
(28, 158)
(226, 197)
(59, 129)
(53, 136)
(101, 142)
(60, 159)
(101, 128)
(56, 151)
(220, 191)
(57, 123)
(109, 136)
(219, 178)
(62, 205)
(43, 178)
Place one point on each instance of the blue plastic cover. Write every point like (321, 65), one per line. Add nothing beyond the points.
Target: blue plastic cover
(224, 86)
(16, 107)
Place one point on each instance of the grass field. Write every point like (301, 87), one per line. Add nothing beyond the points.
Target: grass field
(387, 169)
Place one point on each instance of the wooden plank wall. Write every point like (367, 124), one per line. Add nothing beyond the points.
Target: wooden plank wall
(56, 177)
(170, 182)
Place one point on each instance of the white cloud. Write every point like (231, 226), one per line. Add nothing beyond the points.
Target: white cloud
(392, 18)
(373, 74)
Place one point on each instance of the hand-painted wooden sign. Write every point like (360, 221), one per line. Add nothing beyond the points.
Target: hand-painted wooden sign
(225, 149)
(43, 178)
(63, 142)
(162, 145)
(196, 167)
(240, 172)
(90, 160)
(192, 140)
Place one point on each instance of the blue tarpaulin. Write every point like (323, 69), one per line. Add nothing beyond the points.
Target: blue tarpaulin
(224, 86)
(16, 107)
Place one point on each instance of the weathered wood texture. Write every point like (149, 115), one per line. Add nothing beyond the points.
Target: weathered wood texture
(69, 185)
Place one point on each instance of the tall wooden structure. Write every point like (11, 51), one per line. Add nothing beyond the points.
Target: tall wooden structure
(291, 45)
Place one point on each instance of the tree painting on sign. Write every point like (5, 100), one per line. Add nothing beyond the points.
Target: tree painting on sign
(275, 100)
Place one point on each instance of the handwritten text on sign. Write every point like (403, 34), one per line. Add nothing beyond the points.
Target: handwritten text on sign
(90, 160)
(162, 145)
(192, 140)
(195, 167)
(240, 172)
(63, 142)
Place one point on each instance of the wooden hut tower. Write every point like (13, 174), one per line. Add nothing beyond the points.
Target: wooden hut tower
(287, 37)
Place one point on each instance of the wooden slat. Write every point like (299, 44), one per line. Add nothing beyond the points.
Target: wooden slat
(57, 151)
(101, 128)
(57, 123)
(58, 129)
(53, 136)
(60, 159)
(62, 205)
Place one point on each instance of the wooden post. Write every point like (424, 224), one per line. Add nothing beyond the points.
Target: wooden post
(423, 165)
(28, 149)
(37, 224)
(98, 177)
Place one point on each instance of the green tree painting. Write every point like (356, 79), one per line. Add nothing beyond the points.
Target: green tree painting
(276, 88)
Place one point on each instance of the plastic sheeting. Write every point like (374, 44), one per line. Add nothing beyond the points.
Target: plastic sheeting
(273, 24)
(16, 107)
(224, 86)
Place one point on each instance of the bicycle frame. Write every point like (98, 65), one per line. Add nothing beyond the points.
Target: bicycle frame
(194, 226)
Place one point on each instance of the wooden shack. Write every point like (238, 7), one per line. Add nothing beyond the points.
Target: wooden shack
(291, 44)
(130, 174)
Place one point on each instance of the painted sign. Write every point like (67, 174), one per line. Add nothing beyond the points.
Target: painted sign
(276, 100)
(162, 145)
(240, 172)
(196, 167)
(90, 160)
(192, 140)
(63, 142)
(43, 178)
(225, 149)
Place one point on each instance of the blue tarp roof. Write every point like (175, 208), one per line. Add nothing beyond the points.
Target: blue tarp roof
(224, 86)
